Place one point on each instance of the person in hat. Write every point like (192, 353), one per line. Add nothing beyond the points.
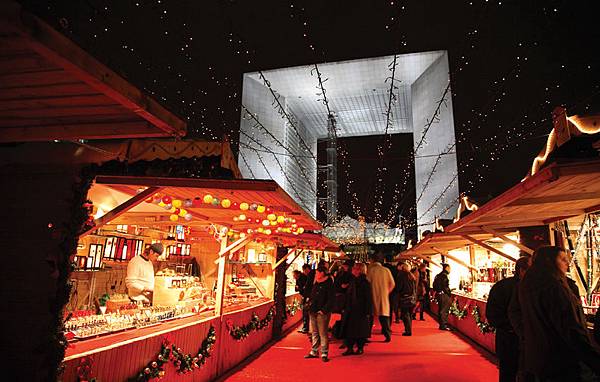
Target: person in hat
(140, 274)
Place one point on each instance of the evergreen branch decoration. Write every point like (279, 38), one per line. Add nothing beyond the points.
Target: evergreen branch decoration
(457, 312)
(255, 324)
(294, 307)
(484, 326)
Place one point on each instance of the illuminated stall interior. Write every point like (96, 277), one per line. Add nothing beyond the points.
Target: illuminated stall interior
(220, 241)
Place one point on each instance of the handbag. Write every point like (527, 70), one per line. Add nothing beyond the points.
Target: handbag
(408, 301)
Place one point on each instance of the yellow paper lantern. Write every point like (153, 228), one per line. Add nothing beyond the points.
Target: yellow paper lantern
(177, 203)
(244, 206)
(242, 217)
(268, 231)
(161, 204)
(230, 233)
(207, 199)
(280, 219)
(260, 229)
(174, 218)
(260, 209)
(225, 203)
(182, 212)
(300, 230)
(272, 217)
(273, 223)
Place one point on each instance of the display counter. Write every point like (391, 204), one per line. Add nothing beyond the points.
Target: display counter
(467, 325)
(120, 356)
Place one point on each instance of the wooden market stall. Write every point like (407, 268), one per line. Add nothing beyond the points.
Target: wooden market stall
(223, 240)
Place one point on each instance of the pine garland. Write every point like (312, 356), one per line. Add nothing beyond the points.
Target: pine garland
(484, 326)
(294, 307)
(184, 363)
(457, 312)
(255, 324)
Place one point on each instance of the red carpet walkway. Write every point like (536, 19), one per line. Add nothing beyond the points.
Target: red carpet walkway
(429, 355)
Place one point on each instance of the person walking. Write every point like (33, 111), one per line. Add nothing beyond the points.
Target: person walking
(422, 290)
(358, 308)
(341, 283)
(382, 284)
(405, 284)
(441, 285)
(556, 339)
(507, 340)
(322, 299)
(304, 289)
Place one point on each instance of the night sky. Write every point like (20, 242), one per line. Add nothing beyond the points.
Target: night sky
(511, 63)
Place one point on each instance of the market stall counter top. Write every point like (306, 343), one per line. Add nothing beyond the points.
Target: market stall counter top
(467, 315)
(121, 356)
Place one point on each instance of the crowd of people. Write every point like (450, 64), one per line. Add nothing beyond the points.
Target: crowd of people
(359, 293)
(541, 330)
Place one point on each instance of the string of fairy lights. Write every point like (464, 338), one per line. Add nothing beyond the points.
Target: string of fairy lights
(103, 29)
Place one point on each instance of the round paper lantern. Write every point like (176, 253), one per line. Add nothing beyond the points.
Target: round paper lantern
(188, 217)
(273, 222)
(182, 212)
(242, 217)
(187, 203)
(235, 218)
(280, 219)
(242, 235)
(224, 230)
(260, 209)
(260, 229)
(215, 202)
(244, 206)
(174, 218)
(177, 203)
(266, 223)
(156, 198)
(253, 207)
(249, 230)
(230, 233)
(268, 231)
(272, 217)
(168, 207)
(225, 203)
(208, 198)
(161, 204)
(167, 199)
(175, 210)
(300, 230)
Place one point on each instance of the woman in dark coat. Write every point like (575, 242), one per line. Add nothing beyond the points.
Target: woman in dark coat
(356, 320)
(556, 339)
(407, 294)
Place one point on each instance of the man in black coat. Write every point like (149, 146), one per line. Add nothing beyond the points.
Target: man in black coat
(441, 285)
(507, 341)
(358, 308)
(322, 299)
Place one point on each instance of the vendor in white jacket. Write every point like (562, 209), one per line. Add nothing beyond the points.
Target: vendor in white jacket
(140, 274)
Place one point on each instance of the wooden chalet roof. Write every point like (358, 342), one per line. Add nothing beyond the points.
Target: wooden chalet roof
(52, 89)
(557, 192)
(264, 192)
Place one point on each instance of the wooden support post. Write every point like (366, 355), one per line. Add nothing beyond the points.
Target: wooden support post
(220, 278)
(278, 263)
(235, 245)
(508, 240)
(472, 261)
(252, 275)
(456, 259)
(489, 247)
(121, 209)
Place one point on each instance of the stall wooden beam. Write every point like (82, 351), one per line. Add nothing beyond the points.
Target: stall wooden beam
(235, 245)
(252, 275)
(456, 259)
(298, 253)
(285, 258)
(220, 278)
(488, 247)
(425, 257)
(121, 209)
(507, 239)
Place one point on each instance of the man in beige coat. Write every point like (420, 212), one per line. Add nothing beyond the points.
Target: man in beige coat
(382, 283)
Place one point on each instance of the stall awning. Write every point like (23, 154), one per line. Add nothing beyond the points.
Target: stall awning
(109, 192)
(557, 192)
(50, 89)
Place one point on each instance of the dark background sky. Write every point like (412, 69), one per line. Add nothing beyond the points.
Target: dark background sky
(511, 63)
